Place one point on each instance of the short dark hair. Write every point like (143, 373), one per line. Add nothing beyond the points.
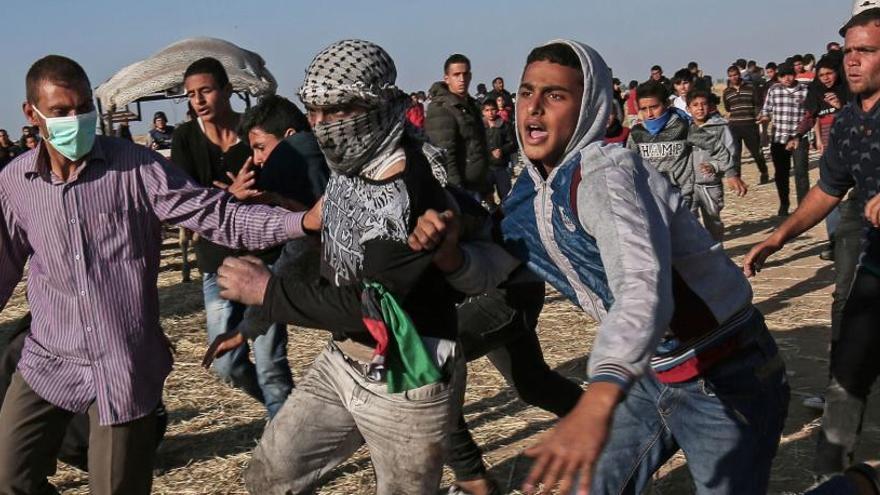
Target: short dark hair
(489, 103)
(456, 58)
(797, 58)
(497, 78)
(275, 115)
(733, 68)
(698, 93)
(633, 84)
(771, 65)
(741, 63)
(693, 65)
(656, 67)
(211, 66)
(831, 44)
(809, 57)
(682, 75)
(160, 115)
(652, 89)
(557, 53)
(55, 68)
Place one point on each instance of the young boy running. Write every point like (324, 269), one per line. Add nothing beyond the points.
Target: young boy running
(682, 359)
(664, 140)
(708, 190)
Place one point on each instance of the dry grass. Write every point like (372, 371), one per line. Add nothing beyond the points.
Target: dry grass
(214, 427)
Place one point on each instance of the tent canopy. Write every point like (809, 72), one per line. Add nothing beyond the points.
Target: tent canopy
(161, 75)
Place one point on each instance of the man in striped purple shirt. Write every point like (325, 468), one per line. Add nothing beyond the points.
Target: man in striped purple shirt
(86, 212)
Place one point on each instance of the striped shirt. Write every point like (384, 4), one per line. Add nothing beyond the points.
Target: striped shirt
(94, 244)
(785, 107)
(741, 104)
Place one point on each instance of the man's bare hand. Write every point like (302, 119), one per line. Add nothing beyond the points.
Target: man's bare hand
(754, 261)
(872, 211)
(737, 185)
(569, 451)
(224, 343)
(833, 100)
(496, 153)
(243, 280)
(438, 230)
(792, 144)
(242, 186)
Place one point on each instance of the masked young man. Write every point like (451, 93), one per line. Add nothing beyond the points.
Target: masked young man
(682, 359)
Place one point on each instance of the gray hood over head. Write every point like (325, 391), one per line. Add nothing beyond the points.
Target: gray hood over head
(596, 103)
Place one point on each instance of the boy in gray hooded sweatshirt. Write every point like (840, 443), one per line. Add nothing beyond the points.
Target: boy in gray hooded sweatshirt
(664, 139)
(708, 189)
(682, 359)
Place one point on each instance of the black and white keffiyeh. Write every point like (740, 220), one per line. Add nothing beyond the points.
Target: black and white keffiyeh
(359, 72)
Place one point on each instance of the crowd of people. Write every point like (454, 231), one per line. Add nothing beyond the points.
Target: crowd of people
(392, 220)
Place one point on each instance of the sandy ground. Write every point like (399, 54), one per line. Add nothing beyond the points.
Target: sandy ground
(214, 427)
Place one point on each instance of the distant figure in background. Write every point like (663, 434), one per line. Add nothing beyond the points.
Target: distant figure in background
(481, 93)
(504, 112)
(632, 105)
(657, 76)
(498, 90)
(8, 149)
(700, 80)
(161, 133)
(30, 141)
(124, 132)
(681, 84)
(501, 143)
(743, 103)
(415, 114)
(26, 131)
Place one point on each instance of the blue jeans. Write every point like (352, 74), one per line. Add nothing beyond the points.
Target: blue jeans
(268, 379)
(728, 423)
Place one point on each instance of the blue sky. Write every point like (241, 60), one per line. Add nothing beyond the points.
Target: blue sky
(632, 35)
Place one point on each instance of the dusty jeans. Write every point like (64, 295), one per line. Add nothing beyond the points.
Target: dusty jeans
(335, 410)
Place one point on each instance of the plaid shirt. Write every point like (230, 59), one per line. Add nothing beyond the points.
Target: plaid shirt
(785, 107)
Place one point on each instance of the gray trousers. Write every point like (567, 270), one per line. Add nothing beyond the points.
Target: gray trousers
(334, 410)
(709, 200)
(31, 430)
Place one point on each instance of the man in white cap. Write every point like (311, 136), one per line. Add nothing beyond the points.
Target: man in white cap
(851, 160)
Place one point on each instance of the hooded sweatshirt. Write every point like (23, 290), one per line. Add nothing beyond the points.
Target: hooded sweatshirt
(613, 235)
(670, 151)
(716, 128)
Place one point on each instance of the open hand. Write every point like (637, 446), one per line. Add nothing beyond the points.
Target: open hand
(224, 343)
(568, 453)
(242, 186)
(737, 185)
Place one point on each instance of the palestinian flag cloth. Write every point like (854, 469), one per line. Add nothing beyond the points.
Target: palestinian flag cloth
(399, 352)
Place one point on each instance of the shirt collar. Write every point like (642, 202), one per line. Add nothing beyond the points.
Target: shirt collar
(42, 169)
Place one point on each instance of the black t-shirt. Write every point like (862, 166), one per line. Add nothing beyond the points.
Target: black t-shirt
(206, 162)
(852, 159)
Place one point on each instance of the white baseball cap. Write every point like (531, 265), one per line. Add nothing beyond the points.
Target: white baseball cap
(862, 9)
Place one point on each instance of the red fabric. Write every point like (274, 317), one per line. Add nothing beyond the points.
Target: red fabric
(699, 364)
(379, 332)
(504, 114)
(620, 138)
(631, 103)
(416, 115)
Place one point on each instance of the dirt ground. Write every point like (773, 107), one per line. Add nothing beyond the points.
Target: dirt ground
(213, 427)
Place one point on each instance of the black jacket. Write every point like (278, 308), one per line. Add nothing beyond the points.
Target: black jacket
(501, 137)
(455, 124)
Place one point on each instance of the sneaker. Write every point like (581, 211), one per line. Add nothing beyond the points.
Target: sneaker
(827, 254)
(817, 402)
